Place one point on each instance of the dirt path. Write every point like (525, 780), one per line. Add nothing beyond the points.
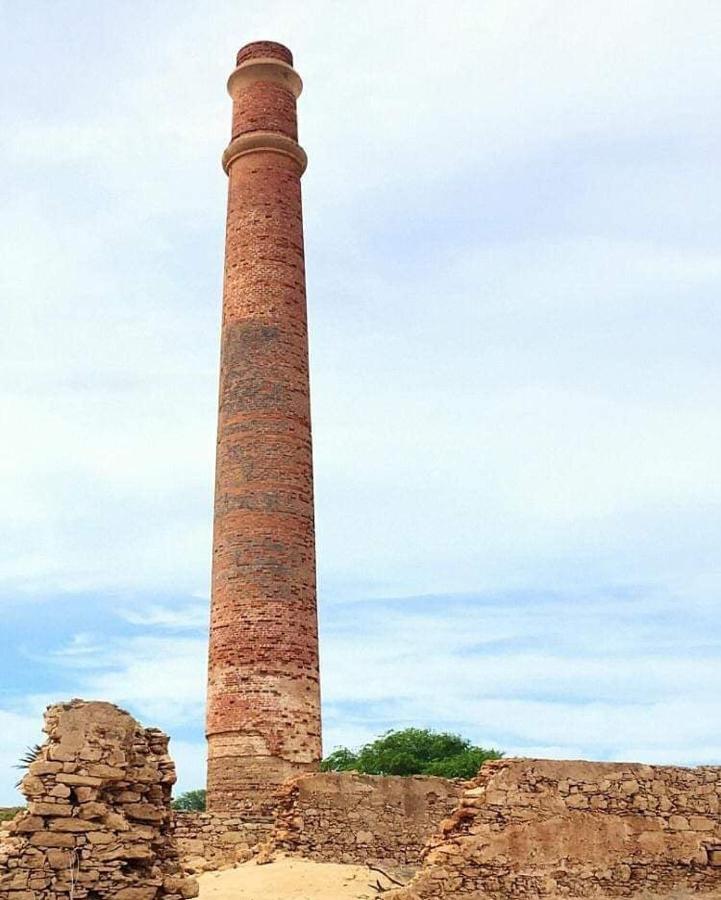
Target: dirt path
(289, 879)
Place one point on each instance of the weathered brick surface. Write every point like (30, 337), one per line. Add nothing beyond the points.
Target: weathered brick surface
(545, 828)
(350, 818)
(264, 50)
(265, 106)
(263, 719)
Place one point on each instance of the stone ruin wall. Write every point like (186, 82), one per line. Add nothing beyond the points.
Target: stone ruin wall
(336, 817)
(210, 841)
(349, 818)
(545, 828)
(99, 825)
(98, 820)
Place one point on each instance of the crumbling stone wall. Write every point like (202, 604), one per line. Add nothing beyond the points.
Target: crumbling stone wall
(5, 834)
(207, 841)
(542, 828)
(98, 819)
(349, 818)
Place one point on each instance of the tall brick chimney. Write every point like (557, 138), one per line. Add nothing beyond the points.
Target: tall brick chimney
(263, 720)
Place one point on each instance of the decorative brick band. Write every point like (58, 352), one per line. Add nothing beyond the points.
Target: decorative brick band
(272, 141)
(264, 69)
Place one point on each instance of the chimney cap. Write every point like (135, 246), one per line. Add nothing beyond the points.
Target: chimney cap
(265, 50)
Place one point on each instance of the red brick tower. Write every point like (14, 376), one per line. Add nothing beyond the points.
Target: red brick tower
(263, 722)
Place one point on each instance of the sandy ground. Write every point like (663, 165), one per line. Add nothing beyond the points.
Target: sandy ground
(289, 879)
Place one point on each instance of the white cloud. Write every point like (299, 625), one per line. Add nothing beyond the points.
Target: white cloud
(494, 387)
(161, 678)
(181, 618)
(190, 763)
(512, 223)
(561, 676)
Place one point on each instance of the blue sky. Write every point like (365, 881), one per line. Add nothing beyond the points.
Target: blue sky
(512, 226)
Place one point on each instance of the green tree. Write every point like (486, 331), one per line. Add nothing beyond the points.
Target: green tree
(340, 760)
(412, 751)
(190, 801)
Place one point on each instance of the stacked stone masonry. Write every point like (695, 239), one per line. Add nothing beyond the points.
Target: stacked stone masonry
(210, 841)
(263, 719)
(97, 823)
(349, 818)
(545, 828)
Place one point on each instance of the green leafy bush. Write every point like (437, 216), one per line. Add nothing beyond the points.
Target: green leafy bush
(412, 751)
(190, 801)
(9, 812)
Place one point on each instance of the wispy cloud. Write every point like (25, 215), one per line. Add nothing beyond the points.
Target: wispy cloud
(595, 676)
(162, 677)
(181, 618)
(154, 666)
(512, 220)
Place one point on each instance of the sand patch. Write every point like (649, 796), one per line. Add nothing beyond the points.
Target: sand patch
(289, 879)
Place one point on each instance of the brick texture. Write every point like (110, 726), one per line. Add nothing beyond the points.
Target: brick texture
(264, 50)
(263, 717)
(265, 106)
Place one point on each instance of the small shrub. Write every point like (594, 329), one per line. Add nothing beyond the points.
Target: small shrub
(190, 801)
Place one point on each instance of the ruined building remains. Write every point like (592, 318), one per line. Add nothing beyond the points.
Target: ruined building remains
(98, 819)
(540, 829)
(263, 720)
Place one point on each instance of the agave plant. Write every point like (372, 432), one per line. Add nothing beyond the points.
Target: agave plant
(28, 758)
